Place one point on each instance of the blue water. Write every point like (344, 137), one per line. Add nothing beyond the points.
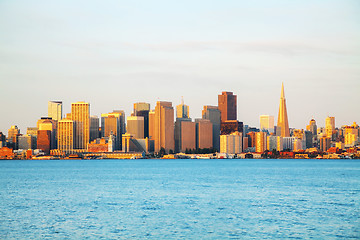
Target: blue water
(180, 199)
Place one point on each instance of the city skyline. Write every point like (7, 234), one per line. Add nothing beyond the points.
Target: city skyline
(113, 55)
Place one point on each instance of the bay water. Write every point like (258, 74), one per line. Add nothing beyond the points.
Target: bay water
(180, 199)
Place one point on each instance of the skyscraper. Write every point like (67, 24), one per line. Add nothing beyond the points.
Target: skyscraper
(204, 133)
(80, 114)
(182, 110)
(55, 110)
(227, 106)
(66, 131)
(267, 123)
(114, 123)
(94, 127)
(164, 126)
(330, 126)
(142, 109)
(282, 128)
(213, 114)
(135, 126)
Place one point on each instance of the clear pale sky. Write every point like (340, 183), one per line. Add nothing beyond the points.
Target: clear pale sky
(115, 53)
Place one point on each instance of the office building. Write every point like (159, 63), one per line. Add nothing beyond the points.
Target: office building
(164, 126)
(47, 123)
(267, 123)
(324, 143)
(204, 133)
(135, 126)
(66, 135)
(32, 131)
(94, 128)
(185, 135)
(213, 114)
(113, 123)
(55, 110)
(178, 132)
(260, 142)
(231, 126)
(282, 128)
(142, 109)
(152, 124)
(274, 143)
(12, 133)
(227, 106)
(330, 126)
(182, 110)
(44, 140)
(26, 142)
(231, 144)
(80, 114)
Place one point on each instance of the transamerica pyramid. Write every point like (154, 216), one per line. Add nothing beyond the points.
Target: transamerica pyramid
(282, 128)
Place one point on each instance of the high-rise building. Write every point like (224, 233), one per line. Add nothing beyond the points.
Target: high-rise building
(231, 126)
(330, 126)
(113, 123)
(44, 140)
(213, 114)
(66, 135)
(204, 133)
(164, 126)
(152, 124)
(182, 110)
(55, 110)
(231, 144)
(135, 126)
(13, 132)
(94, 127)
(80, 114)
(260, 142)
(142, 109)
(227, 106)
(26, 142)
(274, 142)
(324, 143)
(178, 132)
(267, 123)
(282, 128)
(312, 127)
(47, 123)
(32, 131)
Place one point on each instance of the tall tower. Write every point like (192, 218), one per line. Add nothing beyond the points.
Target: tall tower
(213, 114)
(55, 110)
(282, 128)
(227, 106)
(66, 130)
(164, 126)
(80, 114)
(267, 123)
(142, 109)
(182, 110)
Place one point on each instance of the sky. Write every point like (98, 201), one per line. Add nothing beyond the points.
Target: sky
(115, 53)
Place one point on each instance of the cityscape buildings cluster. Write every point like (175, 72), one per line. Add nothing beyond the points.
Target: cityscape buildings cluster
(155, 132)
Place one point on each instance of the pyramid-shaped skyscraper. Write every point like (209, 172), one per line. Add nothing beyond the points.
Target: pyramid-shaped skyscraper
(282, 128)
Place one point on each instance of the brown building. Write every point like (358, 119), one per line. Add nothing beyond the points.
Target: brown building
(227, 106)
(44, 140)
(324, 143)
(252, 139)
(204, 133)
(152, 124)
(188, 136)
(164, 126)
(231, 126)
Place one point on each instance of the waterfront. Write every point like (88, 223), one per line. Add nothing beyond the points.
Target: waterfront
(172, 199)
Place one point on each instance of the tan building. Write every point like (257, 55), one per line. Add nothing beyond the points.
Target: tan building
(135, 126)
(324, 143)
(47, 123)
(260, 142)
(32, 131)
(204, 133)
(274, 142)
(350, 140)
(80, 114)
(188, 136)
(164, 126)
(66, 131)
(13, 132)
(182, 110)
(55, 110)
(213, 114)
(152, 124)
(141, 106)
(330, 126)
(231, 144)
(113, 123)
(267, 123)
